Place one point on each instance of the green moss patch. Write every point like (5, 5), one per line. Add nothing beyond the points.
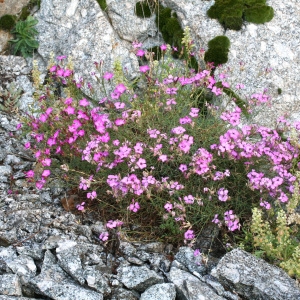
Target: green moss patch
(7, 22)
(143, 9)
(218, 49)
(232, 13)
(102, 4)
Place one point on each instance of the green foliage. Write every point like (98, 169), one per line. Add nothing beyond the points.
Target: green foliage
(276, 235)
(218, 50)
(9, 99)
(279, 91)
(232, 13)
(143, 9)
(24, 42)
(7, 22)
(102, 4)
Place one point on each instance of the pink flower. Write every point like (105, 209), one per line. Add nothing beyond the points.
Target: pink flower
(67, 73)
(70, 110)
(120, 88)
(144, 69)
(19, 126)
(140, 53)
(182, 167)
(189, 234)
(68, 101)
(46, 162)
(119, 122)
(134, 206)
(136, 44)
(40, 184)
(84, 102)
(215, 219)
(163, 47)
(91, 195)
(53, 68)
(27, 145)
(29, 174)
(178, 130)
(104, 236)
(80, 206)
(168, 206)
(141, 163)
(163, 158)
(223, 194)
(189, 199)
(108, 76)
(49, 111)
(46, 173)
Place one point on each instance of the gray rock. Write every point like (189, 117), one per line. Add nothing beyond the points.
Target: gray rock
(10, 285)
(81, 30)
(253, 278)
(53, 282)
(96, 280)
(123, 17)
(122, 294)
(68, 254)
(5, 172)
(164, 291)
(185, 256)
(189, 287)
(2, 297)
(152, 247)
(24, 267)
(138, 278)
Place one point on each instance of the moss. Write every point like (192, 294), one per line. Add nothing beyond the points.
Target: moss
(259, 14)
(218, 49)
(7, 22)
(232, 13)
(279, 91)
(102, 4)
(143, 9)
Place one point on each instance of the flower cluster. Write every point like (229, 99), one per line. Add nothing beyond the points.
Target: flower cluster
(160, 152)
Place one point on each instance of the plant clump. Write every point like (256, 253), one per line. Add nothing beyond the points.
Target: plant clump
(218, 49)
(232, 13)
(143, 9)
(24, 42)
(7, 22)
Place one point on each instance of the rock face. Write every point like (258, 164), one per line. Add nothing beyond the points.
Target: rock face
(49, 253)
(83, 31)
(253, 278)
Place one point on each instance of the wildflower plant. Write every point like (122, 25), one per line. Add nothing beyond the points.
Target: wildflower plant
(156, 161)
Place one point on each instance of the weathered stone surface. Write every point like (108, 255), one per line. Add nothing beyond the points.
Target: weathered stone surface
(164, 291)
(189, 287)
(15, 70)
(96, 280)
(56, 284)
(12, 7)
(138, 278)
(185, 256)
(130, 27)
(10, 285)
(24, 267)
(253, 278)
(82, 31)
(4, 38)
